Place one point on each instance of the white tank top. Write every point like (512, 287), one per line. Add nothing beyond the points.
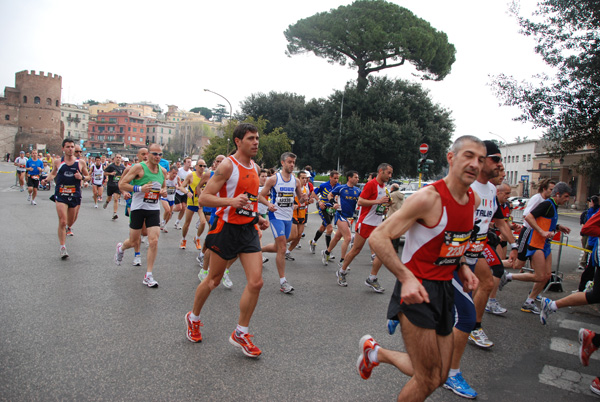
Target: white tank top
(182, 174)
(171, 188)
(97, 174)
(282, 196)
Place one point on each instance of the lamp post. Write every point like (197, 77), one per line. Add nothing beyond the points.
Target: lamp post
(230, 108)
(228, 145)
(292, 142)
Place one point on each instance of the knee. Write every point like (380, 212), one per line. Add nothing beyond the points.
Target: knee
(432, 378)
(255, 285)
(62, 222)
(543, 277)
(152, 242)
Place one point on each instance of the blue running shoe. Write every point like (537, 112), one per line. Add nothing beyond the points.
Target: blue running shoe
(392, 324)
(459, 386)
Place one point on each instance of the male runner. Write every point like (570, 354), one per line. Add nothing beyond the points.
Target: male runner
(114, 172)
(97, 172)
(234, 190)
(372, 203)
(347, 197)
(326, 211)
(169, 201)
(181, 195)
(20, 163)
(34, 168)
(67, 194)
(437, 220)
(543, 220)
(193, 184)
(147, 182)
(300, 215)
(142, 155)
(282, 187)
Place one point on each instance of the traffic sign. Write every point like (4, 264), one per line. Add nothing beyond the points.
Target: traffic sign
(424, 148)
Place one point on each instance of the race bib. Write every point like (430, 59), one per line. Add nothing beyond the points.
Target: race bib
(171, 190)
(454, 246)
(36, 177)
(248, 209)
(116, 179)
(380, 210)
(151, 197)
(476, 246)
(285, 200)
(66, 190)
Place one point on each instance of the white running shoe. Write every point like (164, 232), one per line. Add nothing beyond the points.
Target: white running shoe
(33, 202)
(150, 282)
(226, 281)
(119, 254)
(324, 257)
(137, 261)
(202, 274)
(63, 253)
(200, 260)
(29, 198)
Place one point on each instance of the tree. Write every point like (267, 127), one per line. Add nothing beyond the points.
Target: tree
(372, 35)
(567, 104)
(204, 111)
(219, 112)
(91, 102)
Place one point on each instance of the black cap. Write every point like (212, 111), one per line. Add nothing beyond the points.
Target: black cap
(491, 148)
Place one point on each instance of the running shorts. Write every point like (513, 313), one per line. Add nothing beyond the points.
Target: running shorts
(326, 217)
(71, 202)
(300, 221)
(364, 230)
(137, 217)
(493, 260)
(229, 240)
(522, 242)
(280, 228)
(31, 182)
(112, 189)
(180, 198)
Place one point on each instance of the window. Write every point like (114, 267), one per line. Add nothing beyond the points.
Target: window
(141, 130)
(48, 101)
(7, 117)
(135, 129)
(128, 138)
(524, 158)
(517, 158)
(100, 129)
(529, 158)
(169, 131)
(128, 128)
(102, 119)
(36, 100)
(132, 138)
(57, 103)
(120, 129)
(100, 138)
(69, 124)
(162, 130)
(24, 99)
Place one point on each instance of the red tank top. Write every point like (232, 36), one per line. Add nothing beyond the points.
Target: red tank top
(242, 180)
(433, 253)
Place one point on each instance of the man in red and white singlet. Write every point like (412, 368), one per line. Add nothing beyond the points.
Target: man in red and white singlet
(438, 221)
(233, 189)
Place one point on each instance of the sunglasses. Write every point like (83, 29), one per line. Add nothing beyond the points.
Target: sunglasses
(202, 165)
(495, 158)
(78, 152)
(156, 153)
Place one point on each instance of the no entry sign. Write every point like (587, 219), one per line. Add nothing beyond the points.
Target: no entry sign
(424, 148)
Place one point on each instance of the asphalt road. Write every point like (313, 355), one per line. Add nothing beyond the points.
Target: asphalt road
(86, 329)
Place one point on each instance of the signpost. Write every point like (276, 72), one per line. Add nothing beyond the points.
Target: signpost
(423, 148)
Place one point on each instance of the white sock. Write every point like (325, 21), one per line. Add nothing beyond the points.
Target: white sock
(373, 354)
(343, 271)
(453, 372)
(177, 221)
(243, 330)
(282, 280)
(372, 277)
(287, 252)
(148, 274)
(529, 300)
(194, 317)
(553, 306)
(509, 277)
(62, 246)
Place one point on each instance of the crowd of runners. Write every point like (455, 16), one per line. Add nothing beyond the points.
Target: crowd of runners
(456, 234)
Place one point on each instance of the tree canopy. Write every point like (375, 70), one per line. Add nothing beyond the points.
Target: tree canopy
(372, 35)
(204, 111)
(567, 104)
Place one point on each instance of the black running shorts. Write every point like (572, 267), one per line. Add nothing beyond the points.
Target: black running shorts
(180, 199)
(112, 189)
(137, 217)
(229, 240)
(437, 314)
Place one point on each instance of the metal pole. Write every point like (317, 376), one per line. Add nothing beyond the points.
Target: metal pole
(230, 108)
(340, 135)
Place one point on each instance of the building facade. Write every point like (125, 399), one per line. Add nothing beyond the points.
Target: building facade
(160, 132)
(75, 119)
(118, 129)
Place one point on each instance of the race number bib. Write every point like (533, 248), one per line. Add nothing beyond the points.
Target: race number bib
(151, 197)
(116, 179)
(170, 190)
(476, 246)
(248, 209)
(285, 200)
(66, 190)
(454, 246)
(35, 177)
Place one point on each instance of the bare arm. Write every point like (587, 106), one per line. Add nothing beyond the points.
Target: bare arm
(209, 197)
(262, 197)
(137, 171)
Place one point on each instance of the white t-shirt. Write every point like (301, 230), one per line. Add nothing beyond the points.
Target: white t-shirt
(531, 204)
(182, 174)
(21, 161)
(483, 216)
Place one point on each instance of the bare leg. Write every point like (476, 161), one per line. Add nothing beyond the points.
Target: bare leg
(486, 284)
(62, 211)
(153, 234)
(359, 242)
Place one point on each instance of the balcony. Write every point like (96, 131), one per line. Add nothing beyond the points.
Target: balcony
(73, 119)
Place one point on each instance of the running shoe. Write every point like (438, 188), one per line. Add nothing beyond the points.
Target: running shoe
(587, 347)
(69, 231)
(29, 198)
(503, 281)
(176, 226)
(374, 284)
(364, 365)
(341, 278)
(137, 261)
(286, 287)
(226, 281)
(494, 307)
(182, 244)
(22, 189)
(105, 204)
(265, 259)
(150, 282)
(165, 230)
(96, 205)
(100, 198)
(312, 245)
(299, 246)
(33, 202)
(331, 256)
(198, 245)
(480, 338)
(530, 308)
(202, 274)
(459, 386)
(589, 286)
(63, 253)
(595, 386)
(545, 310)
(115, 217)
(288, 256)
(162, 225)
(200, 260)
(244, 342)
(392, 325)
(119, 254)
(324, 257)
(193, 329)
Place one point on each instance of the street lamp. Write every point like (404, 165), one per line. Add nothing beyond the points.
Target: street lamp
(230, 108)
(292, 142)
(228, 145)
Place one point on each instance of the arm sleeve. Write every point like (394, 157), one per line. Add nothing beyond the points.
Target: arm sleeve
(592, 226)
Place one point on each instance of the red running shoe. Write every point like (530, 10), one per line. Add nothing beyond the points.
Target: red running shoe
(364, 365)
(587, 347)
(244, 342)
(193, 329)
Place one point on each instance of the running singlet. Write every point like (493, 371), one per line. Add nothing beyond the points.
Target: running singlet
(21, 162)
(486, 211)
(97, 175)
(505, 210)
(193, 202)
(262, 208)
(531, 204)
(433, 253)
(546, 217)
(171, 187)
(243, 180)
(37, 166)
(66, 183)
(211, 210)
(182, 174)
(372, 215)
(282, 196)
(348, 197)
(149, 200)
(114, 180)
(300, 212)
(323, 192)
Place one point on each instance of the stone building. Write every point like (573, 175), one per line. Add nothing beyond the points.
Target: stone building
(30, 113)
(75, 120)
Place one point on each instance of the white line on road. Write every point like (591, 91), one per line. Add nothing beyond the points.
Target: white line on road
(570, 346)
(571, 324)
(566, 379)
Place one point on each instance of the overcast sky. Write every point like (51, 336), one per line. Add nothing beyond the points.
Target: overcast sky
(168, 52)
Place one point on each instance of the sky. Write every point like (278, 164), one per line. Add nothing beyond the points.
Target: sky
(169, 52)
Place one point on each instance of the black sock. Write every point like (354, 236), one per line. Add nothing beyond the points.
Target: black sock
(327, 239)
(326, 252)
(477, 326)
(317, 236)
(596, 340)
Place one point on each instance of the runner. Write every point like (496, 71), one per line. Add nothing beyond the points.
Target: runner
(347, 197)
(97, 172)
(147, 182)
(234, 190)
(193, 183)
(372, 203)
(34, 168)
(300, 215)
(114, 172)
(282, 187)
(169, 201)
(20, 163)
(181, 195)
(438, 221)
(543, 220)
(326, 210)
(67, 194)
(142, 155)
